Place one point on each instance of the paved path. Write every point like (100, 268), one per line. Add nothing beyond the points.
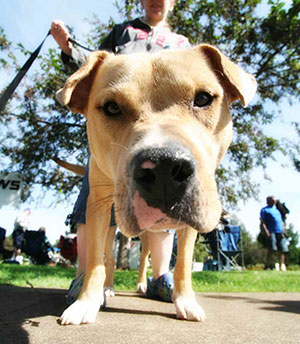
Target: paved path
(28, 316)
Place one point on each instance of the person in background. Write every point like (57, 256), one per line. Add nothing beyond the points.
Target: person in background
(150, 33)
(21, 224)
(22, 220)
(271, 222)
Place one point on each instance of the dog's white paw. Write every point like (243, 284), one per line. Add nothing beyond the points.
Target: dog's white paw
(80, 312)
(141, 288)
(109, 291)
(187, 308)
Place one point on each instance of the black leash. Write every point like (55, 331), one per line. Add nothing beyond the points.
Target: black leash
(80, 45)
(14, 84)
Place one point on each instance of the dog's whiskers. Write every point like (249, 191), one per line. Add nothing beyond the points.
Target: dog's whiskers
(118, 144)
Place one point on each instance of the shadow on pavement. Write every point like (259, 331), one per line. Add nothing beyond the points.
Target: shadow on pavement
(289, 306)
(20, 305)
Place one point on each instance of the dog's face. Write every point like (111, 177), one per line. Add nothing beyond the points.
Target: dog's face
(158, 126)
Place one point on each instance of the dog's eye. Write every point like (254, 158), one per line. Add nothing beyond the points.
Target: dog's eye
(203, 99)
(112, 109)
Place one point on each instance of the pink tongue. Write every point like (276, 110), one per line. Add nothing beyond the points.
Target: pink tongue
(146, 216)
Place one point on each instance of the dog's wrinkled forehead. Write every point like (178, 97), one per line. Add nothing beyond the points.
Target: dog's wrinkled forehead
(159, 77)
(125, 68)
(167, 73)
(123, 71)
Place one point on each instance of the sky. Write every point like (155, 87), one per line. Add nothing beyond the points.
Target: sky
(28, 21)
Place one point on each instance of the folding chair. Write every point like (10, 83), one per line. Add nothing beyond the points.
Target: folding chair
(36, 246)
(2, 238)
(226, 247)
(68, 247)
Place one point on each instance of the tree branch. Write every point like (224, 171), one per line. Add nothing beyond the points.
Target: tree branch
(270, 57)
(45, 122)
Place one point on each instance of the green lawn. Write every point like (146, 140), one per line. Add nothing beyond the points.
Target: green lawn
(247, 281)
(208, 281)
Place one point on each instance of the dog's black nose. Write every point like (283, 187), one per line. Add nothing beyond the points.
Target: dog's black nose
(162, 175)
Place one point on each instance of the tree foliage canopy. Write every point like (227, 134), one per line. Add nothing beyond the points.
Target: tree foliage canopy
(261, 37)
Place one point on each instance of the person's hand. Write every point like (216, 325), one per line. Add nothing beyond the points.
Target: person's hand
(61, 34)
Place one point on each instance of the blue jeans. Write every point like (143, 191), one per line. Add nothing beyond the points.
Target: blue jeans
(79, 210)
(278, 242)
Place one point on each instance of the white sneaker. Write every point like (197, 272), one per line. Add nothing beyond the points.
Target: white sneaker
(277, 267)
(283, 267)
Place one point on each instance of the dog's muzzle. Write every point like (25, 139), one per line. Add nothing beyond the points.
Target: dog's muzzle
(162, 175)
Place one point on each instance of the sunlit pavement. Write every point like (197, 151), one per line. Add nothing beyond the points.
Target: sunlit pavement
(30, 316)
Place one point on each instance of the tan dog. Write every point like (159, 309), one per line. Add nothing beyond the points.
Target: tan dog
(109, 255)
(158, 126)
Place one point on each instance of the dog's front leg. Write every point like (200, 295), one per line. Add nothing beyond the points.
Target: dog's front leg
(183, 294)
(85, 309)
(110, 262)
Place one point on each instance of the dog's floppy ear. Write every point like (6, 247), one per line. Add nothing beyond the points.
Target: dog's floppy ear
(238, 83)
(76, 90)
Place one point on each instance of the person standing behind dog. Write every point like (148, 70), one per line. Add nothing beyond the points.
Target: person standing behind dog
(271, 222)
(148, 34)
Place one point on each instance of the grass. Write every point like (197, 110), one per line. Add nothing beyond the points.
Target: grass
(247, 281)
(208, 281)
(37, 275)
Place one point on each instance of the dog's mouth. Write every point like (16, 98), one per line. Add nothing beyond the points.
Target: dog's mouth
(150, 218)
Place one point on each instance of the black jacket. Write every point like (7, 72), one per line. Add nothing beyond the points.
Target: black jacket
(131, 37)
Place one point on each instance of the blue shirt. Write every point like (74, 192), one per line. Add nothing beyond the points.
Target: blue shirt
(272, 218)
